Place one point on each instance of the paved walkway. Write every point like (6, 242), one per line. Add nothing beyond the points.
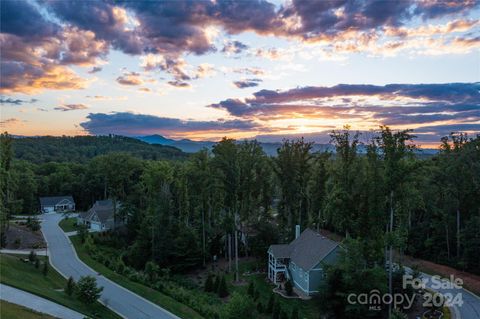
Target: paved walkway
(65, 260)
(34, 302)
(39, 252)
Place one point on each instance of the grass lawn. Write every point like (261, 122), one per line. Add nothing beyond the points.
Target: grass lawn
(68, 224)
(24, 275)
(153, 295)
(13, 311)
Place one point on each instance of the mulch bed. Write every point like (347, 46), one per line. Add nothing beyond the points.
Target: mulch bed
(21, 237)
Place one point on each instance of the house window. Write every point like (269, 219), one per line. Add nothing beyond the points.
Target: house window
(301, 273)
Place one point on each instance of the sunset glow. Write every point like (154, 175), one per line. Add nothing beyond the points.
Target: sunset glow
(252, 69)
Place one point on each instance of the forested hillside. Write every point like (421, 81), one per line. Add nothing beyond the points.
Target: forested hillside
(179, 212)
(82, 148)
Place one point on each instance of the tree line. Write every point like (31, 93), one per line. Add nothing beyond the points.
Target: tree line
(235, 200)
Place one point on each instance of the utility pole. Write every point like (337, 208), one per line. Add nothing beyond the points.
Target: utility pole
(236, 247)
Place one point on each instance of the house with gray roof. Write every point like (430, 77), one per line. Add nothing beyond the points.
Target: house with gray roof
(57, 204)
(302, 260)
(100, 217)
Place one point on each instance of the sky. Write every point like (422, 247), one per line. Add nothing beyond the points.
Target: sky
(242, 69)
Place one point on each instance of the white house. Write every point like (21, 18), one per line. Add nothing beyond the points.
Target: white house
(57, 204)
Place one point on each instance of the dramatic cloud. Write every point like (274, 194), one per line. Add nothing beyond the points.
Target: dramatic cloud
(248, 83)
(71, 107)
(397, 105)
(41, 39)
(131, 78)
(131, 124)
(20, 18)
(16, 101)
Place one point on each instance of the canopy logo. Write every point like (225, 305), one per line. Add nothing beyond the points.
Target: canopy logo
(449, 296)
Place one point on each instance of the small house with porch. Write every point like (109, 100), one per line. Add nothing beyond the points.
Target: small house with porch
(100, 217)
(302, 260)
(58, 204)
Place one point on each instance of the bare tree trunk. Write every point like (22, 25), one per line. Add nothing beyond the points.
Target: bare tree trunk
(105, 188)
(229, 253)
(236, 255)
(203, 236)
(409, 219)
(115, 217)
(458, 233)
(390, 256)
(448, 240)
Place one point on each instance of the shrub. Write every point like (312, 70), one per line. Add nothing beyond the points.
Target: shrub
(216, 283)
(37, 263)
(87, 290)
(288, 288)
(152, 269)
(70, 287)
(256, 295)
(209, 284)
(82, 233)
(32, 256)
(271, 303)
(294, 313)
(120, 266)
(283, 315)
(238, 307)
(33, 224)
(222, 288)
(45, 267)
(276, 311)
(89, 245)
(251, 289)
(260, 307)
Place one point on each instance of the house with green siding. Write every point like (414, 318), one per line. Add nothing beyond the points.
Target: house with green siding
(302, 260)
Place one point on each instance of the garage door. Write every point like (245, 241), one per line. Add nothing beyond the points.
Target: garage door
(95, 226)
(48, 209)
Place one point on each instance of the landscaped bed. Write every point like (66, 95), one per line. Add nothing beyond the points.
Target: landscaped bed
(21, 274)
(19, 236)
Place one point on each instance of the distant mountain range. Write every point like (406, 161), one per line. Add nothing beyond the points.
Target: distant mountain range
(270, 148)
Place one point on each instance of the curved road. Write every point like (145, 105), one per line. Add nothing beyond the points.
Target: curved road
(64, 259)
(470, 307)
(37, 303)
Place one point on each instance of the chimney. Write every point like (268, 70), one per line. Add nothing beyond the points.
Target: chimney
(297, 231)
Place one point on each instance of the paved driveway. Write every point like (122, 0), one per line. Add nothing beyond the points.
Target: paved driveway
(28, 300)
(64, 259)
